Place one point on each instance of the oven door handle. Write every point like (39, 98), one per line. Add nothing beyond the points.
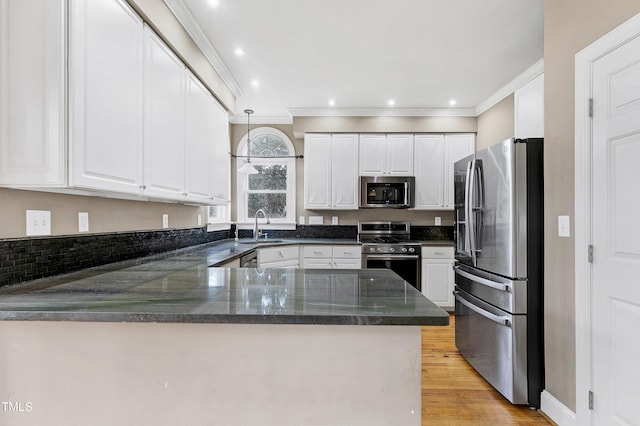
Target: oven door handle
(488, 315)
(391, 256)
(482, 281)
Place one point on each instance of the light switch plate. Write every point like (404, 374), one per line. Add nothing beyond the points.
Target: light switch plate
(316, 220)
(38, 222)
(301, 220)
(334, 220)
(199, 220)
(83, 222)
(165, 220)
(438, 221)
(564, 226)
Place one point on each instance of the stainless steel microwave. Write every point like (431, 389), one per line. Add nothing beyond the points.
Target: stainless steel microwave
(387, 191)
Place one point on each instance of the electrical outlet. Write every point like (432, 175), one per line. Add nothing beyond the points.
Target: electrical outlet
(165, 220)
(38, 222)
(564, 225)
(83, 222)
(316, 220)
(199, 220)
(438, 221)
(301, 220)
(334, 220)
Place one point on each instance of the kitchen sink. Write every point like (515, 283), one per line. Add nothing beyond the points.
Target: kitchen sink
(261, 241)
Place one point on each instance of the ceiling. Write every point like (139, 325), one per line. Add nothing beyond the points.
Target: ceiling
(300, 54)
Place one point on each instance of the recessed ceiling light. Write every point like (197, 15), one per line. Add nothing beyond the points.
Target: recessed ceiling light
(332, 102)
(239, 52)
(452, 102)
(391, 102)
(214, 3)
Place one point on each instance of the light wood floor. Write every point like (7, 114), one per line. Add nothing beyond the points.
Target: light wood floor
(453, 393)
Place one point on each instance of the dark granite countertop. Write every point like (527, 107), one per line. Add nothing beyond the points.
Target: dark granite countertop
(181, 287)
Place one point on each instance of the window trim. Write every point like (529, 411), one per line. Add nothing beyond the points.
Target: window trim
(242, 179)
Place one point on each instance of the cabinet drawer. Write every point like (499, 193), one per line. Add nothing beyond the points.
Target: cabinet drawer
(277, 254)
(437, 252)
(347, 252)
(316, 251)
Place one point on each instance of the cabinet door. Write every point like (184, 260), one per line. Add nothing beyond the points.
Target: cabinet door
(105, 102)
(344, 172)
(373, 154)
(529, 109)
(400, 154)
(32, 92)
(429, 166)
(457, 146)
(317, 263)
(317, 171)
(199, 125)
(164, 96)
(221, 165)
(347, 263)
(437, 281)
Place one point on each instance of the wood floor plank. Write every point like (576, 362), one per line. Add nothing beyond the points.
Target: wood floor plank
(453, 393)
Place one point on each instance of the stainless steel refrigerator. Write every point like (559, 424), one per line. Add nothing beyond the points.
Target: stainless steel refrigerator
(499, 266)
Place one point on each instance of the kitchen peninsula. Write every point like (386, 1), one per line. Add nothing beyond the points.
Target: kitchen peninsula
(171, 340)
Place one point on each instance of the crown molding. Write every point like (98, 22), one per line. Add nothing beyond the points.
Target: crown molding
(529, 74)
(261, 119)
(190, 25)
(382, 112)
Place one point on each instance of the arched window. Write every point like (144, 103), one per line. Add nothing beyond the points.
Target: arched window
(273, 188)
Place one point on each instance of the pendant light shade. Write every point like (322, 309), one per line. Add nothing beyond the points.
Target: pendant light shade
(247, 167)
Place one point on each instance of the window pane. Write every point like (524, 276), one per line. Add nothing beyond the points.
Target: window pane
(272, 176)
(268, 146)
(274, 204)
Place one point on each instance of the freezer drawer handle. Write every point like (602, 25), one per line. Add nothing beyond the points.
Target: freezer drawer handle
(483, 281)
(480, 311)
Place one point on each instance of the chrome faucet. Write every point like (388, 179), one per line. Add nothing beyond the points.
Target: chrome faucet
(256, 232)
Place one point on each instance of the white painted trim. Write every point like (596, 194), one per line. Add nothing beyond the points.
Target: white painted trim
(277, 226)
(261, 119)
(556, 410)
(583, 205)
(190, 24)
(382, 112)
(529, 74)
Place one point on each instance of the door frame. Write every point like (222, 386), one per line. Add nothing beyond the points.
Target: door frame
(583, 205)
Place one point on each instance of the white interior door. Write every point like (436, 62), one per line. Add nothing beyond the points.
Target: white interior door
(616, 236)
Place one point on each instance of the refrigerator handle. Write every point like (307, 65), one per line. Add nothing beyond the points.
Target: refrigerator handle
(480, 311)
(467, 210)
(478, 209)
(483, 281)
(470, 202)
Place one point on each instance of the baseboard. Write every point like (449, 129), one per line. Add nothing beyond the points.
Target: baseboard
(556, 410)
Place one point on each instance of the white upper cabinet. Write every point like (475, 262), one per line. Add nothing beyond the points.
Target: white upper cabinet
(164, 115)
(434, 159)
(32, 93)
(317, 171)
(221, 165)
(457, 146)
(344, 172)
(105, 102)
(330, 171)
(529, 109)
(373, 154)
(199, 139)
(382, 154)
(128, 119)
(429, 166)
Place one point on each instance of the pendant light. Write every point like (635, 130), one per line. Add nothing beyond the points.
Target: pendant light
(247, 167)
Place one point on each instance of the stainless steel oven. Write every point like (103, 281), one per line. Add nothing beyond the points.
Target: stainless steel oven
(387, 245)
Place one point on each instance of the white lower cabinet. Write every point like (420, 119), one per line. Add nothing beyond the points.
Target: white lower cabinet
(437, 275)
(279, 257)
(331, 257)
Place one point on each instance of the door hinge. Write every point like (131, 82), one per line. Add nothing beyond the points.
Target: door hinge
(590, 107)
(590, 253)
(590, 400)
